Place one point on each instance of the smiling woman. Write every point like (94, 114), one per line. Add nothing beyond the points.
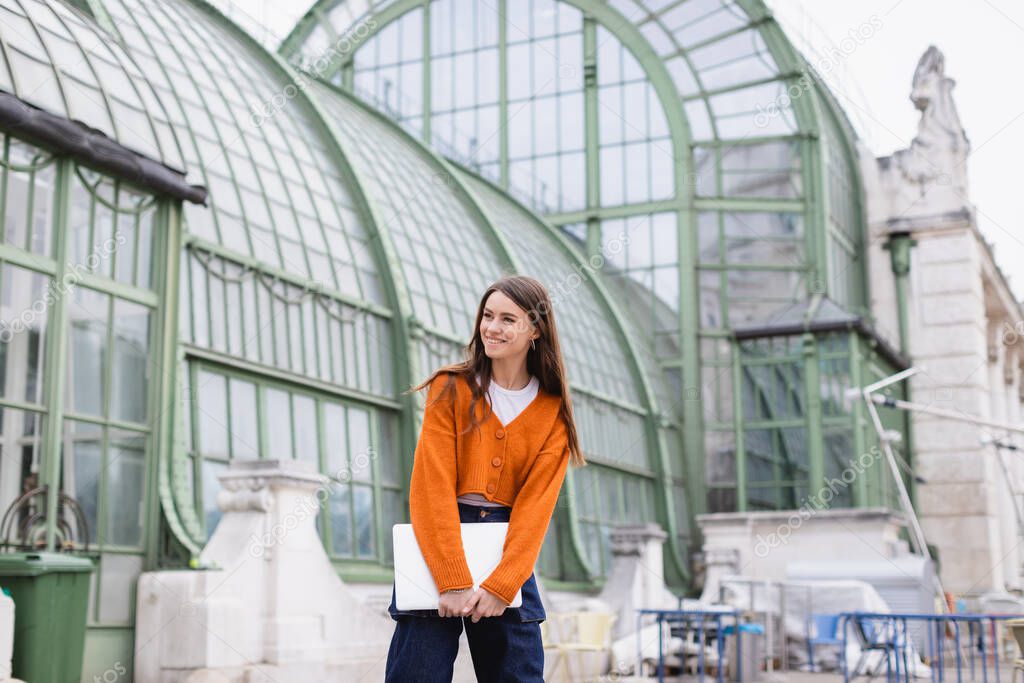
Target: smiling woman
(513, 472)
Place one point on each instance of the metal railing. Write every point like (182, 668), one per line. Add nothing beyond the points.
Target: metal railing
(705, 622)
(952, 640)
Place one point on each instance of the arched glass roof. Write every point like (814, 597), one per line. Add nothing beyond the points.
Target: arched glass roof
(276, 194)
(449, 247)
(719, 117)
(720, 63)
(311, 189)
(692, 127)
(60, 61)
(445, 254)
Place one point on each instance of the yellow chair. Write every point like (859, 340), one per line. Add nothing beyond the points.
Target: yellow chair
(551, 651)
(579, 633)
(1016, 627)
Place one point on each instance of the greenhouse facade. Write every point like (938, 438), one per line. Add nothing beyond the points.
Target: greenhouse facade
(214, 252)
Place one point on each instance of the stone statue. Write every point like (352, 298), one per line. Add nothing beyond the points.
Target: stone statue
(929, 177)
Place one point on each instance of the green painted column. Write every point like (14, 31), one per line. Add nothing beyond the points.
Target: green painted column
(427, 76)
(504, 178)
(737, 417)
(813, 416)
(858, 417)
(164, 393)
(55, 366)
(898, 246)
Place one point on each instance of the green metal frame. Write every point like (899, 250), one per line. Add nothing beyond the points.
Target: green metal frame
(60, 266)
(812, 204)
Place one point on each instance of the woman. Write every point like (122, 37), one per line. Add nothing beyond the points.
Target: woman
(497, 435)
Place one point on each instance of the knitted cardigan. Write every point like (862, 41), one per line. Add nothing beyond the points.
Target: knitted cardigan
(521, 465)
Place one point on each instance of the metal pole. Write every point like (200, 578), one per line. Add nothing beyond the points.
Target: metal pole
(917, 536)
(941, 412)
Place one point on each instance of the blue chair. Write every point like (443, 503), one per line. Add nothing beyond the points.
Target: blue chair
(824, 633)
(884, 636)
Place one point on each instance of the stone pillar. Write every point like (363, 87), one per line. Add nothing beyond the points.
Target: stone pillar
(637, 577)
(922, 191)
(268, 604)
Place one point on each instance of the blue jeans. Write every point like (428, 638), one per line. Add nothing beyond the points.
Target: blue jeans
(506, 648)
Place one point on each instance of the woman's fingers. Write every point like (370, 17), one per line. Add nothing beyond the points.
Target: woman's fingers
(471, 603)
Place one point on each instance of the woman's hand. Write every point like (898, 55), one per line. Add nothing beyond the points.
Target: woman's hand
(455, 604)
(486, 604)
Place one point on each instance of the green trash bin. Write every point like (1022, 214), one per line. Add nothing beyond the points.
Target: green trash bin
(51, 595)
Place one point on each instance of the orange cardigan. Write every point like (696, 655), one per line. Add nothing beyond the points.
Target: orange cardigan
(521, 465)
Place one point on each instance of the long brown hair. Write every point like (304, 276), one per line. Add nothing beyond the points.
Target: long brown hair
(544, 361)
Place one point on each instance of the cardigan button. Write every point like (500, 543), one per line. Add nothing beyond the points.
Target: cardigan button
(496, 461)
(490, 488)
(500, 433)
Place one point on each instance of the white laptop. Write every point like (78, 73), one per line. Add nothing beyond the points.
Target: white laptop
(414, 584)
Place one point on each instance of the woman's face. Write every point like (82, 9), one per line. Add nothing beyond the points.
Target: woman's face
(505, 328)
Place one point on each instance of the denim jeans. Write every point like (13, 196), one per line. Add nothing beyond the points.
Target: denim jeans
(506, 648)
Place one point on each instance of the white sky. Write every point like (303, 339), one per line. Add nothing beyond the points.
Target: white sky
(983, 41)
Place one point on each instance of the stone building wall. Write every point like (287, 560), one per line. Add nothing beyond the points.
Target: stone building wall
(959, 311)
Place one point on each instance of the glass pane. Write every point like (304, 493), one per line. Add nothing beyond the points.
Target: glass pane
(118, 575)
(212, 415)
(306, 440)
(341, 522)
(82, 470)
(29, 184)
(365, 526)
(20, 456)
(244, 427)
(360, 452)
(123, 245)
(125, 486)
(388, 458)
(129, 380)
(88, 314)
(392, 514)
(280, 435)
(211, 485)
(24, 308)
(335, 444)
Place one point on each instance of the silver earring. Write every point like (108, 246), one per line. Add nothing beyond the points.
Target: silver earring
(533, 344)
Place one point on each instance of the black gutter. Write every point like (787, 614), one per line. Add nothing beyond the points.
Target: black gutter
(93, 148)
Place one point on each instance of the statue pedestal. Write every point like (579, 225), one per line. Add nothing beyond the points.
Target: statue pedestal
(637, 577)
(271, 607)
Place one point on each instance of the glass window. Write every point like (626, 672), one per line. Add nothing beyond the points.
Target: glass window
(111, 229)
(20, 462)
(251, 314)
(88, 360)
(249, 417)
(27, 195)
(25, 300)
(125, 486)
(129, 380)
